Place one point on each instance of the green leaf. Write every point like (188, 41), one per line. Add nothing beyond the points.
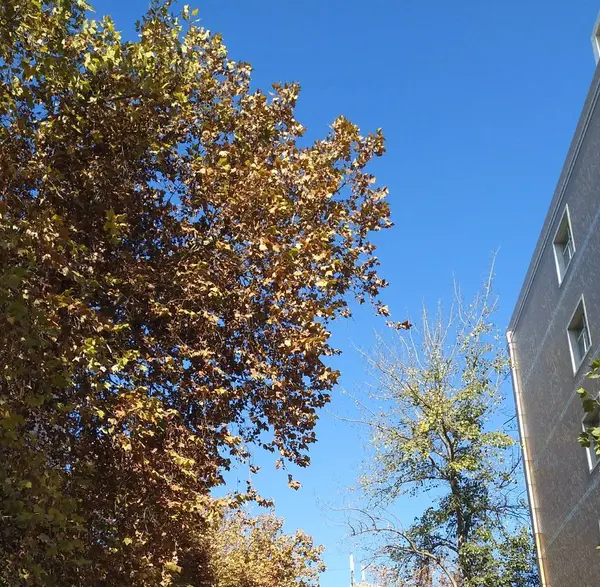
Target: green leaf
(589, 404)
(173, 567)
(584, 440)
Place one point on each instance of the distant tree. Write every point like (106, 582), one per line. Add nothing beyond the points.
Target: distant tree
(423, 576)
(170, 259)
(254, 552)
(438, 435)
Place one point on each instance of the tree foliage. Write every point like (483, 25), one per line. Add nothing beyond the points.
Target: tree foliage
(389, 576)
(438, 435)
(170, 258)
(590, 437)
(254, 552)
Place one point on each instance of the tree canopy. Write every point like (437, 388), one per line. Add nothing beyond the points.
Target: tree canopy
(254, 552)
(437, 433)
(171, 254)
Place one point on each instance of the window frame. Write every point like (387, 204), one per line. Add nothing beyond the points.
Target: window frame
(559, 244)
(574, 333)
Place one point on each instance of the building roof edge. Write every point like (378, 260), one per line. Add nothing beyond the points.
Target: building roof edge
(558, 197)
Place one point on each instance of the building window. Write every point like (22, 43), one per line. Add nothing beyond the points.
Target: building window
(592, 420)
(564, 247)
(579, 335)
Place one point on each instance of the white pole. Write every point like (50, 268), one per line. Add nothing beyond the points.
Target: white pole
(352, 570)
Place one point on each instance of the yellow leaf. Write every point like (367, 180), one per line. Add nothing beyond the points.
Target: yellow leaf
(173, 567)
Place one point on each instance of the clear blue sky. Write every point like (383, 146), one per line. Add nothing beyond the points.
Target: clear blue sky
(478, 101)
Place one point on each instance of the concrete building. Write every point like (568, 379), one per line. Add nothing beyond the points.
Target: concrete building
(553, 334)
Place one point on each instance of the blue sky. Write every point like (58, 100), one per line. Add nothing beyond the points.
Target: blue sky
(478, 101)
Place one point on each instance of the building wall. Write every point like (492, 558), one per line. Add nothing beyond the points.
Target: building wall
(567, 494)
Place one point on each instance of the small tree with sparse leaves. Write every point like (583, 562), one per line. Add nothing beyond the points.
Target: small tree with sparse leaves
(437, 434)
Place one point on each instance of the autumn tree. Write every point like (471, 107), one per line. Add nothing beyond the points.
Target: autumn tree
(438, 434)
(250, 551)
(171, 255)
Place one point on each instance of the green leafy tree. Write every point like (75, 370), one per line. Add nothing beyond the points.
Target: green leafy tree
(437, 435)
(170, 259)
